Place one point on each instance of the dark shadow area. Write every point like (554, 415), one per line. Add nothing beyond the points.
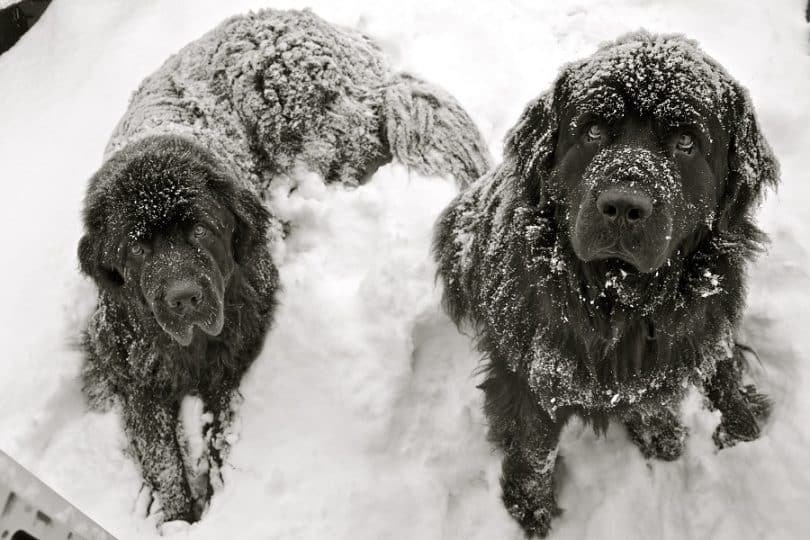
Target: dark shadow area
(22, 535)
(17, 19)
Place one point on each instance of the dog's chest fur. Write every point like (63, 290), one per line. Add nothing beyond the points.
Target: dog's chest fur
(613, 377)
(584, 337)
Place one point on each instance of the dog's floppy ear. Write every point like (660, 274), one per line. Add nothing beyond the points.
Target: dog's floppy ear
(252, 220)
(91, 262)
(95, 247)
(530, 143)
(752, 167)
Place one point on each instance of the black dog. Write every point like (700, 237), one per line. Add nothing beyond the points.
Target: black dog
(602, 263)
(186, 294)
(176, 234)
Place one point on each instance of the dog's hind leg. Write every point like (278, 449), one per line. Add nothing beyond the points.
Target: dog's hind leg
(529, 438)
(741, 407)
(658, 434)
(151, 427)
(428, 130)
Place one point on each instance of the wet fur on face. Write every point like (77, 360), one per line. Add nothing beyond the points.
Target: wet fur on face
(181, 273)
(164, 236)
(601, 264)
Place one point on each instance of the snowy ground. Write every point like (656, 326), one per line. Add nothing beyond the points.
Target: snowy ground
(361, 418)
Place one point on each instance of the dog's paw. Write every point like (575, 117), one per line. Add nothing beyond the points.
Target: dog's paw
(143, 502)
(661, 437)
(149, 506)
(759, 404)
(666, 445)
(742, 418)
(532, 505)
(173, 527)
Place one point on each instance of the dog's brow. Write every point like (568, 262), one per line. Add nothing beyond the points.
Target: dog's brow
(679, 113)
(697, 122)
(603, 103)
(212, 212)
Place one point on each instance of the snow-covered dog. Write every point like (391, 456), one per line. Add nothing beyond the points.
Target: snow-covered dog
(176, 235)
(601, 265)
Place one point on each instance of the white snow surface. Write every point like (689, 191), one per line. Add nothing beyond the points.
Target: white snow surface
(360, 418)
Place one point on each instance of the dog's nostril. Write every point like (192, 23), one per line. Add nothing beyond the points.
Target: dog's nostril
(183, 296)
(629, 206)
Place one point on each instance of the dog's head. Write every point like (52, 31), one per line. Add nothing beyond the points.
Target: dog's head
(644, 148)
(166, 229)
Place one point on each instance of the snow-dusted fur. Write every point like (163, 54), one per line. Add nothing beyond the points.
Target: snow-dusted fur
(564, 337)
(143, 191)
(270, 90)
(255, 97)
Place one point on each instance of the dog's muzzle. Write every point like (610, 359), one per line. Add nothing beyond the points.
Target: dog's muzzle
(186, 304)
(183, 297)
(625, 211)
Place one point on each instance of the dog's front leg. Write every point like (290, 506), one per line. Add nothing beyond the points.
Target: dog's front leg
(527, 482)
(151, 426)
(741, 407)
(658, 434)
(220, 401)
(221, 396)
(529, 439)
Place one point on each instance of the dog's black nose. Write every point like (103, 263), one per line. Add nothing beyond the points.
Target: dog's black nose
(183, 296)
(629, 206)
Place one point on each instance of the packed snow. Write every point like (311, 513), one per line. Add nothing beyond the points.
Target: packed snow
(361, 418)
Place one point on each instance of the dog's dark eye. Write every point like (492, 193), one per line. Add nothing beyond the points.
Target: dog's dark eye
(685, 142)
(199, 231)
(136, 249)
(594, 132)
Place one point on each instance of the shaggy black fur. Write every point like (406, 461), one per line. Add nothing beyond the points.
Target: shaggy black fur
(614, 334)
(157, 189)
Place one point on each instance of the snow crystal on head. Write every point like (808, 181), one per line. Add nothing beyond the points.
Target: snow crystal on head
(629, 166)
(152, 195)
(664, 76)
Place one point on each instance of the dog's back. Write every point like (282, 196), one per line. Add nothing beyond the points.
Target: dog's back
(273, 89)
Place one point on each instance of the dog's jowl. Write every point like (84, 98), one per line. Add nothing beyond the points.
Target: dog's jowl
(601, 265)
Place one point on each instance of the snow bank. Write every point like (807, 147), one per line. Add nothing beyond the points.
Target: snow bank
(361, 419)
